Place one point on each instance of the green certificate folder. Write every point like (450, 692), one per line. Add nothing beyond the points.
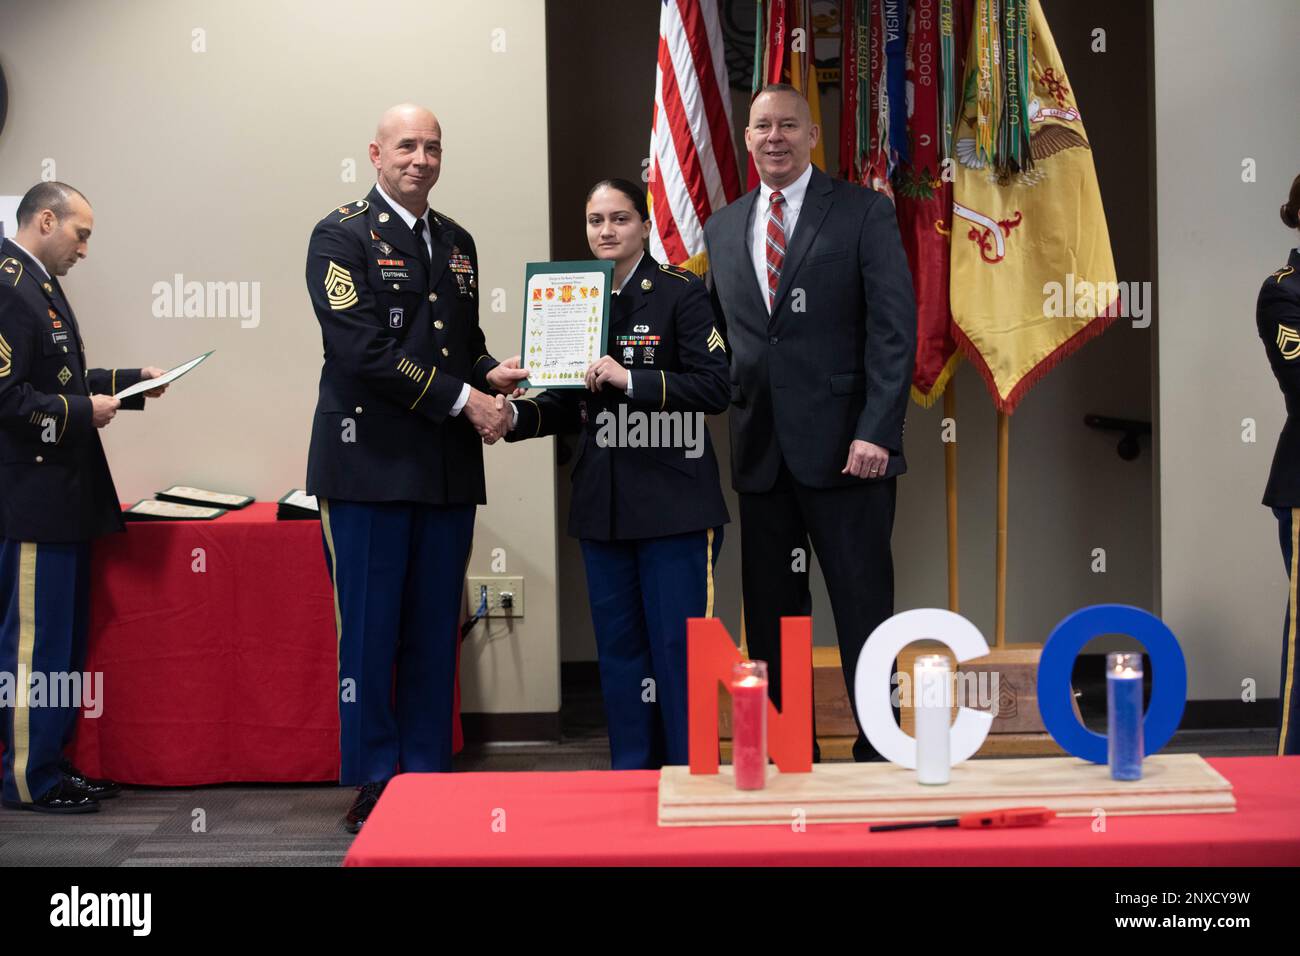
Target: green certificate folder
(566, 321)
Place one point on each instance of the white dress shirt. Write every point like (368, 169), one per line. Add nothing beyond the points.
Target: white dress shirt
(409, 219)
(793, 196)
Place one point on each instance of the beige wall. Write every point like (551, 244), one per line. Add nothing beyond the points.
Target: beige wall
(217, 164)
(1226, 81)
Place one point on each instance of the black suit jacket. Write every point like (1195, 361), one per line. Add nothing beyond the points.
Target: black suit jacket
(661, 329)
(55, 485)
(805, 384)
(1277, 317)
(400, 342)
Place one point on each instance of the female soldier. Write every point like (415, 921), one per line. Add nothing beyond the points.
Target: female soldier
(649, 518)
(1277, 315)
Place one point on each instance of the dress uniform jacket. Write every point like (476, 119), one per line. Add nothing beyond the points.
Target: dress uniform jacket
(401, 339)
(55, 485)
(661, 329)
(1277, 316)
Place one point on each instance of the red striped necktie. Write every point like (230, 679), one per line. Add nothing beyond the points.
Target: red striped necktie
(775, 246)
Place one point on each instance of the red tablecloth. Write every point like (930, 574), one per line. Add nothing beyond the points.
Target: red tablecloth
(221, 676)
(607, 818)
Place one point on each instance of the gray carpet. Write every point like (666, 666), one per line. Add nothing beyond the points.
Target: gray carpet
(301, 825)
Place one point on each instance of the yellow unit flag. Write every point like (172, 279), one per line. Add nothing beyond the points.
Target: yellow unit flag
(1032, 274)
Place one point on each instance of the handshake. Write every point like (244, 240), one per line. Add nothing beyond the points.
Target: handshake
(491, 415)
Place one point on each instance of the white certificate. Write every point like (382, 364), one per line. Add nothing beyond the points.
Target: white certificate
(566, 321)
(166, 378)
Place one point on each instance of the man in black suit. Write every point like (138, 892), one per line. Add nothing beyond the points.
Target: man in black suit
(812, 287)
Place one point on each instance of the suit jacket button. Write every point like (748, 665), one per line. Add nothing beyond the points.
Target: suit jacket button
(773, 340)
(358, 409)
(433, 297)
(445, 351)
(437, 324)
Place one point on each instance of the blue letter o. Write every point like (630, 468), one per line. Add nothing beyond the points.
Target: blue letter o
(1164, 657)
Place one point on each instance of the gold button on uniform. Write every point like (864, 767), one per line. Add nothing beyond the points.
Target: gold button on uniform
(437, 323)
(444, 351)
(433, 297)
(358, 409)
(39, 459)
(396, 286)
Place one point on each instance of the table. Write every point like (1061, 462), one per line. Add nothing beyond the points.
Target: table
(229, 674)
(607, 818)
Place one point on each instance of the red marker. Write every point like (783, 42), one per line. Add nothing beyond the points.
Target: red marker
(988, 820)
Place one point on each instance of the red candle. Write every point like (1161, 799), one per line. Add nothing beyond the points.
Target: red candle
(749, 724)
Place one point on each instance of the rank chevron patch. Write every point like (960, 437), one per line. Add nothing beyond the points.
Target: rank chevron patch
(6, 358)
(339, 287)
(715, 341)
(1288, 341)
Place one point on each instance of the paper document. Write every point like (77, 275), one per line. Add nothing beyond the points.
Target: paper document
(165, 379)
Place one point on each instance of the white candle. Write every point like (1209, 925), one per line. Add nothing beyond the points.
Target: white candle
(932, 705)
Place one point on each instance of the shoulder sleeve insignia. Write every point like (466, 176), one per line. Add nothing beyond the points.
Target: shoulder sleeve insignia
(12, 270)
(6, 358)
(339, 287)
(674, 271)
(715, 341)
(361, 206)
(1283, 273)
(1288, 341)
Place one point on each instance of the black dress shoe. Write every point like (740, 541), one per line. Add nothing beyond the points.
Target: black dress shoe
(367, 797)
(60, 798)
(98, 788)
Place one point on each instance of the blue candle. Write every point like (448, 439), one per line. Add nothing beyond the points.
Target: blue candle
(1124, 715)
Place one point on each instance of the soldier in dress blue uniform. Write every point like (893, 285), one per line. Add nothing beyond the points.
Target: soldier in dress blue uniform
(649, 519)
(396, 453)
(56, 493)
(1277, 316)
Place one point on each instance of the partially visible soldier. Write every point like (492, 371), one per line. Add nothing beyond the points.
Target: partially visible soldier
(56, 493)
(1277, 319)
(396, 457)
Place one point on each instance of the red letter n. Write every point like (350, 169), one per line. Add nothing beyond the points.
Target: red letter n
(710, 654)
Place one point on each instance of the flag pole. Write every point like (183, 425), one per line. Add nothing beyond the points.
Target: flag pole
(950, 483)
(1000, 612)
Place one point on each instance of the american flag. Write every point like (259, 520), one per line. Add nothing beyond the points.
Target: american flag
(693, 170)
